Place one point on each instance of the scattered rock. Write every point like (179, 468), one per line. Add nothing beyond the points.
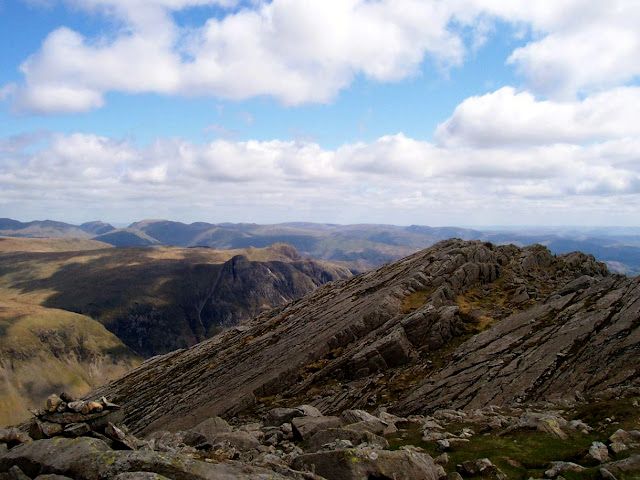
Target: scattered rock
(598, 452)
(53, 402)
(324, 437)
(86, 458)
(558, 468)
(211, 427)
(482, 467)
(15, 473)
(76, 429)
(240, 440)
(627, 465)
(39, 430)
(305, 427)
(13, 436)
(277, 416)
(606, 474)
(443, 445)
(52, 476)
(356, 464)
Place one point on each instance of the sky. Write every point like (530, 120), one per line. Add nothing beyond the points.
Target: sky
(433, 112)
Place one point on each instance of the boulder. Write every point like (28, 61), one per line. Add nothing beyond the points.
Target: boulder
(330, 435)
(15, 473)
(241, 440)
(598, 452)
(305, 427)
(442, 459)
(627, 465)
(309, 411)
(211, 427)
(376, 427)
(39, 430)
(13, 436)
(53, 401)
(86, 458)
(482, 467)
(140, 476)
(606, 474)
(617, 447)
(277, 416)
(76, 429)
(357, 464)
(544, 422)
(558, 468)
(51, 476)
(121, 440)
(353, 416)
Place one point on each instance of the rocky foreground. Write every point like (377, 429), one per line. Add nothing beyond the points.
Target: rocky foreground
(465, 360)
(79, 440)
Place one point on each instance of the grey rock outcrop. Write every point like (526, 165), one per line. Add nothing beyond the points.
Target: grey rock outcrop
(585, 341)
(399, 317)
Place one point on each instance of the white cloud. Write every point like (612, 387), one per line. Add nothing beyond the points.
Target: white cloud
(282, 49)
(394, 179)
(304, 52)
(509, 117)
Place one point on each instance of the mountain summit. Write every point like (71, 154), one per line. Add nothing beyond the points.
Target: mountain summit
(389, 337)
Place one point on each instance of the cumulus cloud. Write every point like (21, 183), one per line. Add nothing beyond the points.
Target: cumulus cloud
(393, 177)
(283, 48)
(510, 117)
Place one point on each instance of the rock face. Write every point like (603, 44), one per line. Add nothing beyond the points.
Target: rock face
(372, 339)
(585, 338)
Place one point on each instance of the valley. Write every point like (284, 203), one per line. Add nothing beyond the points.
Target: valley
(90, 312)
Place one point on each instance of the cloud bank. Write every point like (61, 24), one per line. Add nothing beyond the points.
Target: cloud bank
(393, 177)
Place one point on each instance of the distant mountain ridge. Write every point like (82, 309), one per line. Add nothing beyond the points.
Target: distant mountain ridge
(360, 247)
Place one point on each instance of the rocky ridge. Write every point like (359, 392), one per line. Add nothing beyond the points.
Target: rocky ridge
(358, 343)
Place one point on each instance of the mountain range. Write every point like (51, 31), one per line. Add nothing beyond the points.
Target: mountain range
(360, 247)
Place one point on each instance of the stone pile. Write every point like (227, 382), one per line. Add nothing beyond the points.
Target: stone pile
(64, 416)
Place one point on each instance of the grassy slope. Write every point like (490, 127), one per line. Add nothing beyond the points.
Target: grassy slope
(43, 245)
(43, 350)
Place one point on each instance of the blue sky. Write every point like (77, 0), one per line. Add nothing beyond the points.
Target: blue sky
(463, 112)
(363, 112)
